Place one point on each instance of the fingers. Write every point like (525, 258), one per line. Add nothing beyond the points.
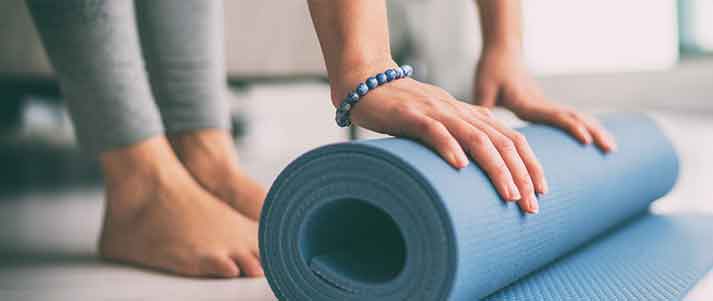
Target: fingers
(572, 125)
(488, 157)
(435, 134)
(532, 164)
(519, 158)
(528, 156)
(430, 116)
(507, 149)
(601, 137)
(585, 129)
(450, 136)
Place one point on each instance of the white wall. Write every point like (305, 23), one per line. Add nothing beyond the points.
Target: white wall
(560, 37)
(578, 36)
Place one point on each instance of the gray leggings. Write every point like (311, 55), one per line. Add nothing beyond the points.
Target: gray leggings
(117, 96)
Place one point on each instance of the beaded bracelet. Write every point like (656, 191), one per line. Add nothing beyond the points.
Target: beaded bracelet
(362, 89)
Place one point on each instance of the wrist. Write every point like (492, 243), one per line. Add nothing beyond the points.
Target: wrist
(509, 46)
(344, 107)
(502, 54)
(352, 71)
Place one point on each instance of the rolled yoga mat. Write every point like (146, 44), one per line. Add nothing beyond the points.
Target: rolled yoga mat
(388, 219)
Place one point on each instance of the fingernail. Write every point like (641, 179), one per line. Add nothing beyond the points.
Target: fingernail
(451, 158)
(587, 137)
(463, 160)
(534, 206)
(514, 192)
(458, 161)
(544, 187)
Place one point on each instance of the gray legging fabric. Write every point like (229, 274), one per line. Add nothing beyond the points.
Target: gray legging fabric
(134, 70)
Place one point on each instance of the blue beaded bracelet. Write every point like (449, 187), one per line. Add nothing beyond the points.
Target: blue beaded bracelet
(362, 89)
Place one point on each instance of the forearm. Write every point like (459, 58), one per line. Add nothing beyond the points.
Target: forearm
(354, 38)
(500, 22)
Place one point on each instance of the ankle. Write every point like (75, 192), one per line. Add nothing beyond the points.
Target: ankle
(133, 173)
(145, 158)
(209, 156)
(213, 144)
(206, 152)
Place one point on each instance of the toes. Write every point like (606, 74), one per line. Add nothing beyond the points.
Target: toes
(219, 266)
(250, 265)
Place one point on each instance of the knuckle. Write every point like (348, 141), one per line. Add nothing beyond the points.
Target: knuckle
(500, 170)
(505, 145)
(403, 109)
(577, 115)
(581, 127)
(535, 168)
(429, 126)
(442, 144)
(562, 116)
(518, 138)
(485, 111)
(569, 124)
(478, 138)
(525, 184)
(431, 102)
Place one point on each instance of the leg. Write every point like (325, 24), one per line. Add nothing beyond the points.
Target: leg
(157, 215)
(183, 45)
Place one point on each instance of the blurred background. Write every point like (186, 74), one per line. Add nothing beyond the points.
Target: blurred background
(607, 55)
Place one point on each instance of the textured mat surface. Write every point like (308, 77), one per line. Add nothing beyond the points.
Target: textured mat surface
(651, 258)
(389, 220)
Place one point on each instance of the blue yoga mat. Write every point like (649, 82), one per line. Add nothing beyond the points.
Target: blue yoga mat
(388, 219)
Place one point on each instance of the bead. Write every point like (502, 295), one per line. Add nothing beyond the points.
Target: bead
(372, 82)
(352, 97)
(407, 69)
(381, 78)
(342, 119)
(390, 75)
(399, 73)
(362, 89)
(345, 107)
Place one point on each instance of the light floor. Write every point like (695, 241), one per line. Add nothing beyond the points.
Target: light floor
(47, 235)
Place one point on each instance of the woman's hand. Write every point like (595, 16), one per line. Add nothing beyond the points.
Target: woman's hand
(502, 79)
(355, 44)
(453, 128)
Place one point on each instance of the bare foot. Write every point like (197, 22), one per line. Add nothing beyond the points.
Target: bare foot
(209, 155)
(158, 216)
